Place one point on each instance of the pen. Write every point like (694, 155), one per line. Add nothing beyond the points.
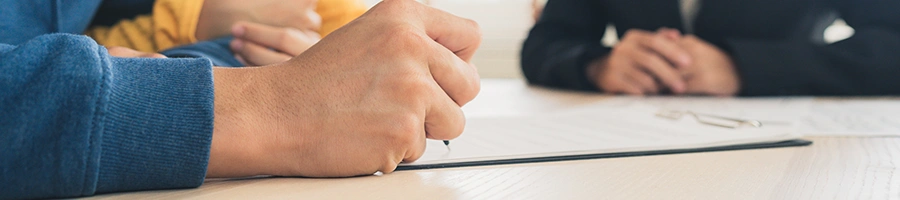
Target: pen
(447, 144)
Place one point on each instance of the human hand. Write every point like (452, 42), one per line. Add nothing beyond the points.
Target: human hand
(713, 71)
(639, 61)
(126, 52)
(259, 44)
(218, 16)
(361, 100)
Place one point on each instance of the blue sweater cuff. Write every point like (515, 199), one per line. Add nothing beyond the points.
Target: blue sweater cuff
(158, 124)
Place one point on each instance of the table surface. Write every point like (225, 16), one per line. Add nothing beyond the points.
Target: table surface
(832, 168)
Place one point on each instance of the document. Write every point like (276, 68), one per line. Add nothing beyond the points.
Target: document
(772, 111)
(852, 117)
(807, 115)
(590, 130)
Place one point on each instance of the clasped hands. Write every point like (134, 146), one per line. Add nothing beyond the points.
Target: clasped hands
(648, 63)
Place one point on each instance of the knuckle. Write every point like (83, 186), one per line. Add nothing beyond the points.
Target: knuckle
(404, 130)
(389, 167)
(315, 20)
(471, 92)
(632, 34)
(474, 25)
(411, 84)
(405, 39)
(394, 4)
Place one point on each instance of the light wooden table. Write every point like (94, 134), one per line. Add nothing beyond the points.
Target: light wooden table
(832, 168)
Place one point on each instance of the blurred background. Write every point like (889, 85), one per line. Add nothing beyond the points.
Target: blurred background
(505, 24)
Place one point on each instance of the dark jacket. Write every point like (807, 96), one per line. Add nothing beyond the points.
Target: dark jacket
(777, 45)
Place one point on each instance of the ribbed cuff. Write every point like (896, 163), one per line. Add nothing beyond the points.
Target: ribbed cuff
(157, 124)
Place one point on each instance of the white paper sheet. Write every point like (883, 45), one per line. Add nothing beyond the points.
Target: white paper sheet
(852, 118)
(807, 115)
(771, 111)
(589, 130)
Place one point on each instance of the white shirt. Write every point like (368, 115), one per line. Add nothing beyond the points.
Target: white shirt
(689, 9)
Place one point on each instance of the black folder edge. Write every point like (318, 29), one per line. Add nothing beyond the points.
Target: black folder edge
(788, 143)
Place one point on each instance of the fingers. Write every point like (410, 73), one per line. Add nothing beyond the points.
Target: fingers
(444, 119)
(669, 33)
(660, 69)
(622, 85)
(646, 82)
(461, 36)
(456, 77)
(288, 40)
(309, 19)
(667, 48)
(124, 52)
(417, 149)
(315, 20)
(256, 55)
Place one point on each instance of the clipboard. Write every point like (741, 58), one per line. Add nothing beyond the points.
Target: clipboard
(788, 143)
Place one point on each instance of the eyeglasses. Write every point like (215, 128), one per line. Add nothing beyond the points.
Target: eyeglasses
(713, 120)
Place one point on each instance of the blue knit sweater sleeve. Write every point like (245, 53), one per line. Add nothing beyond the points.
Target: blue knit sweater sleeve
(75, 121)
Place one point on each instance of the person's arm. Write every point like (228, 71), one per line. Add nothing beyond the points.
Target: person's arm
(864, 64)
(172, 23)
(75, 121)
(563, 42)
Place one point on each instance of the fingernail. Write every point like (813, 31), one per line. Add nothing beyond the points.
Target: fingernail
(238, 30)
(237, 44)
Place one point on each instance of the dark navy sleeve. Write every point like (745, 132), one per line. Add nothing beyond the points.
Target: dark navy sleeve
(563, 42)
(75, 121)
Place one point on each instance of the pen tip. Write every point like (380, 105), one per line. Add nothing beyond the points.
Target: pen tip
(446, 142)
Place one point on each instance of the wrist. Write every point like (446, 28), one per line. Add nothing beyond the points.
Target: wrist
(595, 68)
(238, 146)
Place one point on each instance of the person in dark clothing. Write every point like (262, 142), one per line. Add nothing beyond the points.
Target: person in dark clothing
(726, 47)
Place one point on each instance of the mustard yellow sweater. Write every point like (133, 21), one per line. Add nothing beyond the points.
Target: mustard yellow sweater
(174, 23)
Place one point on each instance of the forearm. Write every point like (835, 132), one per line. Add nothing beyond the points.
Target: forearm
(76, 121)
(561, 63)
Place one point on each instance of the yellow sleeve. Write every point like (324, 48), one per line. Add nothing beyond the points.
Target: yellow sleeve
(172, 23)
(336, 13)
(134, 33)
